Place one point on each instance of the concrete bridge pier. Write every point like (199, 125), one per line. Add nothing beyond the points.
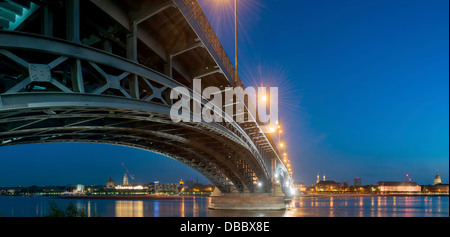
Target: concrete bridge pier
(249, 201)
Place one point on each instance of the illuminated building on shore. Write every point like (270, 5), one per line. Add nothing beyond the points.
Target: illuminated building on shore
(75, 189)
(438, 186)
(300, 186)
(318, 178)
(437, 179)
(181, 186)
(441, 188)
(399, 187)
(110, 183)
(125, 180)
(327, 186)
(163, 187)
(129, 187)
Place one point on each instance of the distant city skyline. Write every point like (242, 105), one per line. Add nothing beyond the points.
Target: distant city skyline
(364, 92)
(42, 172)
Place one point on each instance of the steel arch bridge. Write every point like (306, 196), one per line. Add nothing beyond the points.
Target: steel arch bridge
(101, 71)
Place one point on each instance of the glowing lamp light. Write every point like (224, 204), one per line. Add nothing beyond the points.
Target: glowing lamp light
(264, 98)
(292, 191)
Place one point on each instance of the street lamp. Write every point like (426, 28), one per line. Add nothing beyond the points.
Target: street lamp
(236, 72)
(279, 134)
(272, 130)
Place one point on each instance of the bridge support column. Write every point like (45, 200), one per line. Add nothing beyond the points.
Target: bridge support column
(248, 201)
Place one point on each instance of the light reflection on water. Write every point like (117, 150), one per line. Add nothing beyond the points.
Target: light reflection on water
(198, 207)
(381, 206)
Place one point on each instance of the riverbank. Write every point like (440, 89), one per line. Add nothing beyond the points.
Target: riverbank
(376, 195)
(131, 197)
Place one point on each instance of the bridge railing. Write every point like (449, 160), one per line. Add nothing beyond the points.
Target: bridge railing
(195, 12)
(200, 18)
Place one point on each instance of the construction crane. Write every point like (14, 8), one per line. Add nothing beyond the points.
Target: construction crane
(130, 174)
(407, 177)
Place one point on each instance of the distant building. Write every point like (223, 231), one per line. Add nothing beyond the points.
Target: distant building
(163, 187)
(438, 186)
(300, 186)
(437, 179)
(403, 187)
(441, 188)
(168, 187)
(130, 187)
(125, 180)
(181, 186)
(75, 189)
(357, 182)
(318, 178)
(324, 186)
(110, 183)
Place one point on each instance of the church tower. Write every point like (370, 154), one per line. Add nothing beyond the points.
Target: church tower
(437, 179)
(125, 180)
(110, 183)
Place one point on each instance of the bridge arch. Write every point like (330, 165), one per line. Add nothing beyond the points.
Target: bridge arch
(109, 81)
(84, 118)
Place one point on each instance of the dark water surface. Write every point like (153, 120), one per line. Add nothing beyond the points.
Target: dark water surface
(431, 206)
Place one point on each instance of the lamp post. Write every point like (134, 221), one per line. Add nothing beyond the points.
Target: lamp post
(236, 72)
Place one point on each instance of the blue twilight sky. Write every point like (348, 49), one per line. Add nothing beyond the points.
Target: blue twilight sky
(364, 89)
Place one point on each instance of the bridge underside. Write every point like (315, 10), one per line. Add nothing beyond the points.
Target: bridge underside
(200, 146)
(101, 71)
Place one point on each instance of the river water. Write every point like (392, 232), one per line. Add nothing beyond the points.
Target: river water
(389, 206)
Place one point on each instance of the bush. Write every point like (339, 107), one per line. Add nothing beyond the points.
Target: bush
(70, 211)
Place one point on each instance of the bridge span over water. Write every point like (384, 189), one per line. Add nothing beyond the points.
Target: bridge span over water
(101, 71)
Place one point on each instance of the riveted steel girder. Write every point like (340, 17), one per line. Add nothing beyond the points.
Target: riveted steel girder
(55, 89)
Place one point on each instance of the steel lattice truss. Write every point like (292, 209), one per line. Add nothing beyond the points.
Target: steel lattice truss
(110, 83)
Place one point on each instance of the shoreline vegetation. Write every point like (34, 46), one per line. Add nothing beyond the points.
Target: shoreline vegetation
(68, 211)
